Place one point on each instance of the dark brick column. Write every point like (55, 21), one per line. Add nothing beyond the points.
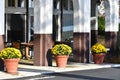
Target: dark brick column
(81, 47)
(111, 43)
(42, 49)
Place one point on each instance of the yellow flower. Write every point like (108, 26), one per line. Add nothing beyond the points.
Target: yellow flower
(98, 48)
(9, 53)
(61, 49)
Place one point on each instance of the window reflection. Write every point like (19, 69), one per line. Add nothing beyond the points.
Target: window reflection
(11, 3)
(71, 5)
(21, 3)
(31, 4)
(65, 31)
(67, 4)
(15, 3)
(56, 4)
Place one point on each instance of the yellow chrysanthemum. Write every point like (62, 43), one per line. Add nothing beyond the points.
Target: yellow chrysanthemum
(61, 49)
(9, 53)
(98, 48)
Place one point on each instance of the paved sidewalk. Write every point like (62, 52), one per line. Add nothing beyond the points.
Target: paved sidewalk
(30, 70)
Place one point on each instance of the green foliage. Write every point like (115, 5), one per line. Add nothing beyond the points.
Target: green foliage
(101, 25)
(98, 48)
(9, 53)
(61, 49)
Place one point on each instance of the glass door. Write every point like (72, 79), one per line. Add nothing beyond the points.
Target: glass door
(17, 15)
(15, 25)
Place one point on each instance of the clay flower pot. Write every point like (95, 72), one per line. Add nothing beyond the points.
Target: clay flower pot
(11, 57)
(11, 65)
(98, 58)
(61, 60)
(98, 51)
(61, 53)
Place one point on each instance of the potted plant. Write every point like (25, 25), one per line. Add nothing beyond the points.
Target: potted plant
(98, 51)
(11, 57)
(61, 53)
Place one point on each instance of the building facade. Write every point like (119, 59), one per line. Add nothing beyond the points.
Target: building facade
(48, 21)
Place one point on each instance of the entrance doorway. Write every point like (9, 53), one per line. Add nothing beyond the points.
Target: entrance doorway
(15, 27)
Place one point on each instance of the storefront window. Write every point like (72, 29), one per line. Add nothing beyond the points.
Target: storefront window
(71, 5)
(15, 3)
(21, 3)
(56, 4)
(62, 19)
(67, 4)
(15, 27)
(31, 27)
(11, 3)
(31, 5)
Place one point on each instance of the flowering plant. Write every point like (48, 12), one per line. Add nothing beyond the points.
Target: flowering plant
(61, 49)
(9, 53)
(98, 48)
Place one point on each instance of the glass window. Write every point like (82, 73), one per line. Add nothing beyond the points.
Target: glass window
(71, 5)
(15, 24)
(15, 3)
(21, 3)
(11, 3)
(31, 27)
(56, 4)
(66, 30)
(31, 5)
(65, 4)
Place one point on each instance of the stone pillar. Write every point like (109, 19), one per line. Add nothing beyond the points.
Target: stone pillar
(2, 12)
(111, 25)
(43, 12)
(81, 33)
(94, 22)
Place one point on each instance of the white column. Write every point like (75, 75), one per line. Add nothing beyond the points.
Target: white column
(2, 13)
(43, 11)
(111, 15)
(81, 32)
(82, 15)
(111, 28)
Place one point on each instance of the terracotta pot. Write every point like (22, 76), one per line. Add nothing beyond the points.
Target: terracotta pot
(61, 60)
(11, 65)
(98, 58)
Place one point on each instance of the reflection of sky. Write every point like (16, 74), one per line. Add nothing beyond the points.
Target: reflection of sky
(22, 3)
(68, 28)
(30, 3)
